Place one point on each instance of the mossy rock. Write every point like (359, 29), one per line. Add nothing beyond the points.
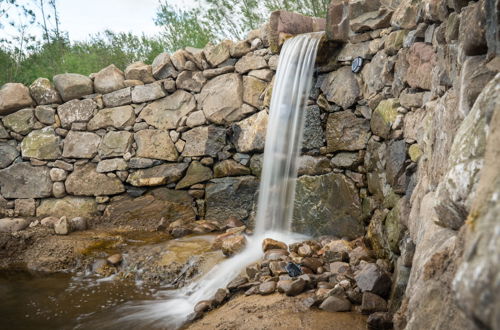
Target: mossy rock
(383, 117)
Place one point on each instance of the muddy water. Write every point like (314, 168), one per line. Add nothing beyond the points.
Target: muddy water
(69, 301)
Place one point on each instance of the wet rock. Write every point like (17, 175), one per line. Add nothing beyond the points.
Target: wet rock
(118, 117)
(10, 225)
(309, 165)
(341, 87)
(221, 96)
(344, 131)
(157, 175)
(115, 259)
(372, 279)
(372, 303)
(76, 111)
(21, 121)
(269, 243)
(383, 117)
(62, 226)
(202, 306)
(73, 86)
(115, 144)
(335, 304)
(68, 206)
(267, 288)
(204, 141)
(196, 173)
(78, 223)
(109, 80)
(231, 196)
(291, 287)
(44, 92)
(8, 154)
(86, 181)
(230, 167)
(81, 144)
(233, 245)
(22, 180)
(139, 71)
(421, 59)
(155, 144)
(249, 134)
(313, 134)
(220, 296)
(380, 321)
(327, 205)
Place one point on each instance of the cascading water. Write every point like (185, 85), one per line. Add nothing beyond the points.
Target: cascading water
(276, 193)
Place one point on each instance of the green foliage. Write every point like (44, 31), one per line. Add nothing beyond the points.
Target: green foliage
(181, 28)
(58, 56)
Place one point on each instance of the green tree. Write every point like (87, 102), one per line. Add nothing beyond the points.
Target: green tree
(182, 28)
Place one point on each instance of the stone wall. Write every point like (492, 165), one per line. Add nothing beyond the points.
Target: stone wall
(397, 152)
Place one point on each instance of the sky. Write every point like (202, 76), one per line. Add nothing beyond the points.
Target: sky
(81, 18)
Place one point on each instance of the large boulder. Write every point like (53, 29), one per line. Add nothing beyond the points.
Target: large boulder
(156, 144)
(76, 111)
(81, 144)
(118, 98)
(109, 80)
(250, 62)
(167, 112)
(14, 96)
(44, 92)
(148, 92)
(337, 21)
(22, 180)
(231, 196)
(191, 81)
(341, 87)
(157, 175)
(159, 203)
(196, 173)
(221, 96)
(41, 144)
(118, 118)
(73, 86)
(22, 121)
(115, 144)
(327, 205)
(204, 141)
(407, 15)
(68, 206)
(249, 134)
(372, 20)
(345, 131)
(86, 181)
(45, 114)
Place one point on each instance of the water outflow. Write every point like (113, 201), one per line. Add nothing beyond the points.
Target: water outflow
(276, 194)
(284, 133)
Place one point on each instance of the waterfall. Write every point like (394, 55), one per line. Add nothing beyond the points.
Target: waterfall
(284, 133)
(276, 194)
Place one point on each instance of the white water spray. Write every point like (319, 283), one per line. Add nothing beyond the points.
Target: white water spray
(276, 194)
